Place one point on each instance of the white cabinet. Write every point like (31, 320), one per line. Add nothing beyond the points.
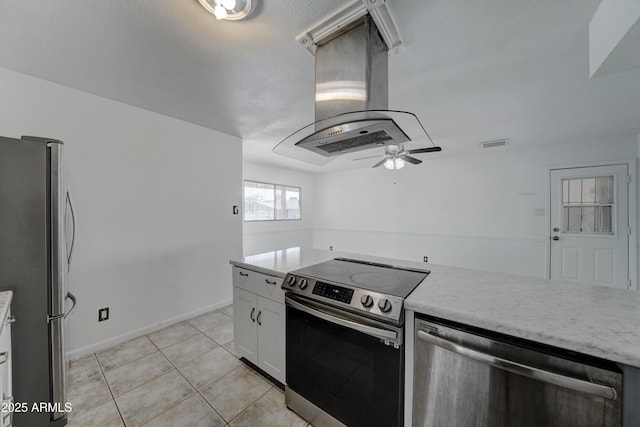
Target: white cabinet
(245, 328)
(6, 389)
(259, 320)
(271, 336)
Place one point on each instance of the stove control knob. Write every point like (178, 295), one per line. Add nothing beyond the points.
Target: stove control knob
(366, 300)
(303, 283)
(292, 281)
(384, 305)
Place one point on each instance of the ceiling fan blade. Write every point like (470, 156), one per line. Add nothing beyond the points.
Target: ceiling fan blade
(381, 162)
(368, 157)
(410, 159)
(424, 150)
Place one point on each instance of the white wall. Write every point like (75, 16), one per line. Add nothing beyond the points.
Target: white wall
(264, 236)
(475, 211)
(154, 207)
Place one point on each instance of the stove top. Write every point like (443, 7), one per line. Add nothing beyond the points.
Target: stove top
(382, 278)
(370, 289)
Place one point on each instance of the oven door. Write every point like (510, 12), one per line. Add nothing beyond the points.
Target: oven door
(342, 369)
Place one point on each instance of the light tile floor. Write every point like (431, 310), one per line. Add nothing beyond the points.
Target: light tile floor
(183, 375)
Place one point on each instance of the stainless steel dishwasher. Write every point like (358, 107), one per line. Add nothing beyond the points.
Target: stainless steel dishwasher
(465, 376)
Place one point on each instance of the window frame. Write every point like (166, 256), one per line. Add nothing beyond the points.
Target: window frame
(275, 186)
(612, 204)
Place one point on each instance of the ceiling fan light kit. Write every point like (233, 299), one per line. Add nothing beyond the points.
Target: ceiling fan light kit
(396, 157)
(393, 164)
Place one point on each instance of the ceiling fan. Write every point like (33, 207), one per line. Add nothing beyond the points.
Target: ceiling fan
(396, 157)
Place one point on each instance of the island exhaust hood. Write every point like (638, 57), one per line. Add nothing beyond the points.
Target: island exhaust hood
(351, 92)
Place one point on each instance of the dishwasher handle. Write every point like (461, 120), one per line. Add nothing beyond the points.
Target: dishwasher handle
(521, 369)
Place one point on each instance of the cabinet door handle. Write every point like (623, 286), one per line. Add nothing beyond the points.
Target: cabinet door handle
(243, 274)
(271, 282)
(259, 314)
(253, 310)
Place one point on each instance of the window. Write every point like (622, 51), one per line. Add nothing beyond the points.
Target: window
(270, 202)
(587, 205)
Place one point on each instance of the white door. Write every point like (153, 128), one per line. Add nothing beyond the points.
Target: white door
(590, 225)
(271, 338)
(245, 328)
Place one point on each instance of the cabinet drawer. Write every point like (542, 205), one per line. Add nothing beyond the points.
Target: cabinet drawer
(260, 284)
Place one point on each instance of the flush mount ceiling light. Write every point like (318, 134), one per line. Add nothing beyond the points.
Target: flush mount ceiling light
(233, 10)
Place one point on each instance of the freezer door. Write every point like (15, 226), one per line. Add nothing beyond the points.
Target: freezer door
(58, 371)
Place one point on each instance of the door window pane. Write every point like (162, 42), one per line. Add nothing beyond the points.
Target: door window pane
(603, 219)
(603, 189)
(587, 205)
(572, 222)
(575, 191)
(588, 190)
(588, 219)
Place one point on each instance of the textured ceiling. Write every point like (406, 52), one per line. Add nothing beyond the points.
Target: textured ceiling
(471, 71)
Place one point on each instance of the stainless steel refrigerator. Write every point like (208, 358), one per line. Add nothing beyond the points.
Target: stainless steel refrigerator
(34, 262)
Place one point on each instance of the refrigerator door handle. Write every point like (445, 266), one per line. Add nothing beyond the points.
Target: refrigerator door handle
(75, 227)
(73, 300)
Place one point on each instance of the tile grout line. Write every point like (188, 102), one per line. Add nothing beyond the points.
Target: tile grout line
(113, 399)
(123, 364)
(108, 389)
(140, 385)
(251, 404)
(218, 379)
(196, 391)
(158, 349)
(169, 326)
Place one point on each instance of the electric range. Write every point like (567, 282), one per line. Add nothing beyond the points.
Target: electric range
(345, 341)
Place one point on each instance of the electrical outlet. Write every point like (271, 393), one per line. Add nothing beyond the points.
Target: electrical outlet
(425, 259)
(330, 248)
(103, 314)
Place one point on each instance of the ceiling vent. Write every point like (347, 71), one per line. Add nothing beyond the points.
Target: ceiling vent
(494, 145)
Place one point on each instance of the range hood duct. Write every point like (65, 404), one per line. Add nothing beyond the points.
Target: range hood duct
(352, 71)
(351, 98)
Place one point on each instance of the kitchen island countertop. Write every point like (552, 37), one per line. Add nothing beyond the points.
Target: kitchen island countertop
(590, 319)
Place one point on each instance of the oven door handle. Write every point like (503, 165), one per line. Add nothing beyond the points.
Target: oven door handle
(521, 369)
(369, 330)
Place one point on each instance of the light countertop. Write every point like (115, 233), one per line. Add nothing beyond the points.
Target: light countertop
(5, 304)
(595, 320)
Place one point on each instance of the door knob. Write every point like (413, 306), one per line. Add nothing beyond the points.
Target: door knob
(555, 238)
(556, 229)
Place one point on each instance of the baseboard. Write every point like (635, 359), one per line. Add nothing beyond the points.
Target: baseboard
(92, 348)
